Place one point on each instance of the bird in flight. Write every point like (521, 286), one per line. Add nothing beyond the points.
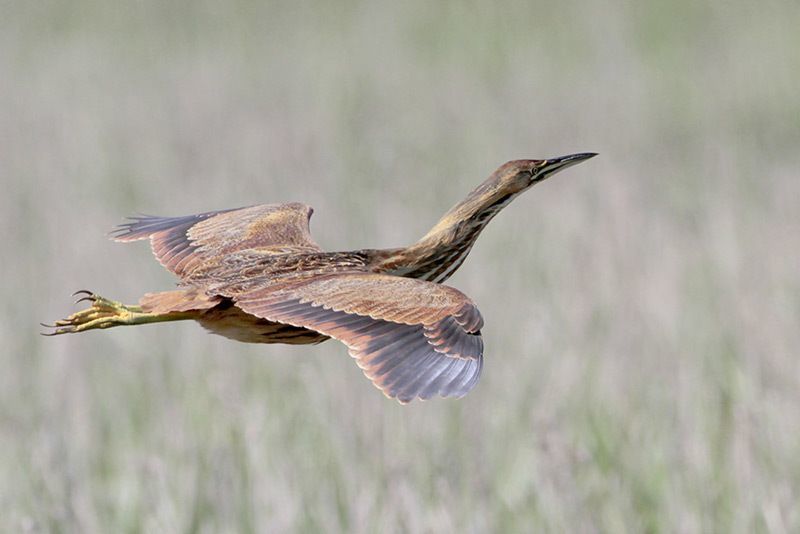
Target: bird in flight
(255, 275)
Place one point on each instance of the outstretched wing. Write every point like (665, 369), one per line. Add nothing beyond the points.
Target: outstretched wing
(182, 243)
(411, 338)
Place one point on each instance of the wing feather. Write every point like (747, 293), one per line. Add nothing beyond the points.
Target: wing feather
(413, 339)
(182, 243)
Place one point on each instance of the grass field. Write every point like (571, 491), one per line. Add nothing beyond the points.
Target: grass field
(642, 310)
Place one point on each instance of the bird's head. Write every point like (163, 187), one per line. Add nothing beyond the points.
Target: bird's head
(470, 215)
(516, 176)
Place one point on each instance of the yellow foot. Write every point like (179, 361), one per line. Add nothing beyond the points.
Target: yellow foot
(103, 313)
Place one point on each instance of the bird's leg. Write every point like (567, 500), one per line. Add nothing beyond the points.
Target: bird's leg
(105, 313)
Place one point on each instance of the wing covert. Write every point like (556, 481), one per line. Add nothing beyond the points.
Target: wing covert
(182, 243)
(413, 339)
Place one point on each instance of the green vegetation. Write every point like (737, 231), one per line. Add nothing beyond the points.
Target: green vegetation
(642, 310)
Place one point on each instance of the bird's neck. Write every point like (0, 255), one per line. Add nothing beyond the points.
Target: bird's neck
(443, 249)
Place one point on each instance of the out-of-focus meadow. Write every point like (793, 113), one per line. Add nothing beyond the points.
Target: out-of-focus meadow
(642, 310)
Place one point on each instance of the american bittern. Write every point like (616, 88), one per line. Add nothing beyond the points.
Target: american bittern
(255, 275)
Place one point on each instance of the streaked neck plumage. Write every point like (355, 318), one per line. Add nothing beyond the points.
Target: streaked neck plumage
(443, 249)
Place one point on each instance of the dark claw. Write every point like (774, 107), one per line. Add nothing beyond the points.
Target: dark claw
(82, 292)
(90, 298)
(56, 330)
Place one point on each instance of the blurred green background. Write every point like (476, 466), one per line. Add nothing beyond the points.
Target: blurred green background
(642, 310)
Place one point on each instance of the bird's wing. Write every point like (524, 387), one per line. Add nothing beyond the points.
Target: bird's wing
(182, 243)
(411, 338)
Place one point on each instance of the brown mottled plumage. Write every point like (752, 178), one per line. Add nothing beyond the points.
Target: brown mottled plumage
(255, 275)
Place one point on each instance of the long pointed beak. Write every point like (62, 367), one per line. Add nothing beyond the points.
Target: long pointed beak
(552, 166)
